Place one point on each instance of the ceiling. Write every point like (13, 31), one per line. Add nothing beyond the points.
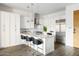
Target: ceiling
(41, 8)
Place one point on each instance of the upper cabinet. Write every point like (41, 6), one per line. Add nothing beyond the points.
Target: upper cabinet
(27, 22)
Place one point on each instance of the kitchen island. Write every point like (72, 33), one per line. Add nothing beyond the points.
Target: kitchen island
(46, 47)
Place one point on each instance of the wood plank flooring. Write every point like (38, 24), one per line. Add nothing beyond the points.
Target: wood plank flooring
(23, 50)
(62, 50)
(19, 50)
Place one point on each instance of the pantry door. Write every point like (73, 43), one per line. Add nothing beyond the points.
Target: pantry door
(76, 28)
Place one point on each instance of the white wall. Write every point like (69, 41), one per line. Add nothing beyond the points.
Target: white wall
(49, 20)
(69, 23)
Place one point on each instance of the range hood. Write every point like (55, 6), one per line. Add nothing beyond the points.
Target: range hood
(36, 19)
(37, 24)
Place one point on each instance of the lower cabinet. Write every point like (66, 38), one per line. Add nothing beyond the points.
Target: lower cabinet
(49, 44)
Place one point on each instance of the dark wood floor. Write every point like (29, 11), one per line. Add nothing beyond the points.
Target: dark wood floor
(62, 50)
(23, 50)
(19, 50)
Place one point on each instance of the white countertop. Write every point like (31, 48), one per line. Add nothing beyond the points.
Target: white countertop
(35, 35)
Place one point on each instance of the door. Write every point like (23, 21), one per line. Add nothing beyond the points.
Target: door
(76, 29)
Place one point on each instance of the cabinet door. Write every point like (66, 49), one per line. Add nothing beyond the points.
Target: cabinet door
(27, 22)
(22, 22)
(17, 27)
(31, 23)
(6, 29)
(49, 44)
(2, 29)
(12, 29)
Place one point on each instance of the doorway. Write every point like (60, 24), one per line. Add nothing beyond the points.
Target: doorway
(76, 28)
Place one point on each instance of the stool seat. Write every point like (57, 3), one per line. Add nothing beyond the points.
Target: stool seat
(23, 37)
(29, 38)
(37, 41)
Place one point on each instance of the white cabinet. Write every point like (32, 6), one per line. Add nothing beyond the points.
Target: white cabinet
(9, 29)
(17, 29)
(27, 22)
(49, 44)
(4, 29)
(12, 29)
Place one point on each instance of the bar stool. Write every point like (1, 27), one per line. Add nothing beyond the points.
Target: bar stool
(37, 42)
(29, 39)
(23, 37)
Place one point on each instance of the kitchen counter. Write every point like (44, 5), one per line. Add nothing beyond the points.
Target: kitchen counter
(48, 42)
(35, 35)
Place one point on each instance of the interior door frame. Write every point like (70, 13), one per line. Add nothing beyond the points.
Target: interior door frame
(69, 27)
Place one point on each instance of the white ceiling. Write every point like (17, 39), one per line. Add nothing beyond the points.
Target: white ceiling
(42, 8)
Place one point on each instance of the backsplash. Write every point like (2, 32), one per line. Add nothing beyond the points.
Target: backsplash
(24, 30)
